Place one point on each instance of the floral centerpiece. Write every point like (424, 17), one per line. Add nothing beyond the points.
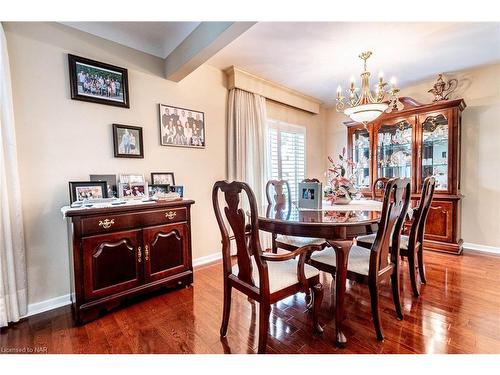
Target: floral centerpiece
(341, 176)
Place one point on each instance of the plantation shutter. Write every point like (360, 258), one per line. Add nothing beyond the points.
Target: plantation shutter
(286, 153)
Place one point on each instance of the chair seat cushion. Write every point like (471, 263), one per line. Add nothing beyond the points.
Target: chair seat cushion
(281, 274)
(299, 241)
(370, 238)
(359, 258)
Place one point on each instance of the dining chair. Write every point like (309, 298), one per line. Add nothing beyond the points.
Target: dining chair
(411, 246)
(278, 195)
(375, 265)
(379, 185)
(262, 276)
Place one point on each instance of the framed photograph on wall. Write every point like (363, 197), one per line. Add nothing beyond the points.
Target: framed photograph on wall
(127, 141)
(162, 178)
(181, 127)
(81, 190)
(98, 82)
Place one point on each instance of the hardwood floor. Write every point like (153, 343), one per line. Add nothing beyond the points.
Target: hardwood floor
(458, 312)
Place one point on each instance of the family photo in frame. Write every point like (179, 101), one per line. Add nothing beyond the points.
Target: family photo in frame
(98, 82)
(181, 127)
(128, 141)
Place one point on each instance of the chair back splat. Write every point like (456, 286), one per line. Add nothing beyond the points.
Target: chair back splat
(245, 234)
(278, 196)
(379, 185)
(420, 214)
(394, 209)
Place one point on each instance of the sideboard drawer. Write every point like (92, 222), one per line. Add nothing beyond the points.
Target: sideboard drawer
(112, 223)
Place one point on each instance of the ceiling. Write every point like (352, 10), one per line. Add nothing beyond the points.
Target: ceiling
(315, 57)
(156, 38)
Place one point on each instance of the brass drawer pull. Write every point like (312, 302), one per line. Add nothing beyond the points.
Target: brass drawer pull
(139, 254)
(146, 253)
(170, 214)
(106, 224)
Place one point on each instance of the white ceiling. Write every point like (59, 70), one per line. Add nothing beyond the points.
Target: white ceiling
(315, 57)
(155, 38)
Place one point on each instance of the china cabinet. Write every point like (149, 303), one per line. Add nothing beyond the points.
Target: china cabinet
(418, 141)
(120, 252)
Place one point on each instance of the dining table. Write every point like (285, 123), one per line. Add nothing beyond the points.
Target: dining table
(337, 224)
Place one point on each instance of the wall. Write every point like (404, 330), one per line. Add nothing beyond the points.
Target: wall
(61, 140)
(480, 175)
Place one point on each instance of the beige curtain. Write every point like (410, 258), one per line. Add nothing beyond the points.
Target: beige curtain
(13, 283)
(247, 140)
(247, 156)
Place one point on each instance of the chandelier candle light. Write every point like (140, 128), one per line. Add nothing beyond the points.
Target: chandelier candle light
(367, 106)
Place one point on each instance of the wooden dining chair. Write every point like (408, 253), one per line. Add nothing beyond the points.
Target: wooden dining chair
(262, 276)
(278, 195)
(375, 265)
(379, 185)
(411, 246)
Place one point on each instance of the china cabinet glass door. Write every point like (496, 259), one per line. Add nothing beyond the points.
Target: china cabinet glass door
(394, 150)
(361, 157)
(434, 152)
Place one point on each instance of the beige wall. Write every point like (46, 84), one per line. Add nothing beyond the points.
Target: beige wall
(61, 140)
(480, 177)
(315, 154)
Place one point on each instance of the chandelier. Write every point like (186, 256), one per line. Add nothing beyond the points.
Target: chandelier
(365, 105)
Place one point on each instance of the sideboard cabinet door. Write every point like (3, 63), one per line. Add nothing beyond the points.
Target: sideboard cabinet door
(111, 263)
(166, 251)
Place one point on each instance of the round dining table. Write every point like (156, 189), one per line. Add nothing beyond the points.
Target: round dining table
(334, 223)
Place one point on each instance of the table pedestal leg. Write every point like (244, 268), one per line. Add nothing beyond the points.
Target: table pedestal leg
(342, 255)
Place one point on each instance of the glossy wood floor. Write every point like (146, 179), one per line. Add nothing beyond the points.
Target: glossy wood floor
(458, 312)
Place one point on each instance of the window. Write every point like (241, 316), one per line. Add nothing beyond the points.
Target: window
(286, 153)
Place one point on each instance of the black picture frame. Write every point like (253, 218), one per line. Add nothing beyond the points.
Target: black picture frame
(139, 142)
(79, 64)
(194, 125)
(74, 185)
(155, 181)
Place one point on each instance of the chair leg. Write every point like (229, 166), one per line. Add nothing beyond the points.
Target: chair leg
(226, 309)
(264, 311)
(375, 311)
(395, 293)
(317, 299)
(421, 270)
(413, 275)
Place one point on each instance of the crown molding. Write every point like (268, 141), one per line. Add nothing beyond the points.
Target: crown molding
(238, 78)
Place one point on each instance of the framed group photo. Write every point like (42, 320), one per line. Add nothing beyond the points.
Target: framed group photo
(127, 141)
(181, 127)
(98, 82)
(81, 190)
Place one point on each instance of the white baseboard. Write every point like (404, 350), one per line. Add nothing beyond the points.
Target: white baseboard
(48, 304)
(482, 248)
(54, 303)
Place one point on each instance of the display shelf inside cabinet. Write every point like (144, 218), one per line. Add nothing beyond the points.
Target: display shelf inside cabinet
(120, 252)
(435, 133)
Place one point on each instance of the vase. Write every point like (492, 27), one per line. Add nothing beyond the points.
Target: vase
(342, 200)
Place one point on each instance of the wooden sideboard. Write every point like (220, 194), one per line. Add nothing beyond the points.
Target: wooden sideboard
(418, 141)
(120, 252)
